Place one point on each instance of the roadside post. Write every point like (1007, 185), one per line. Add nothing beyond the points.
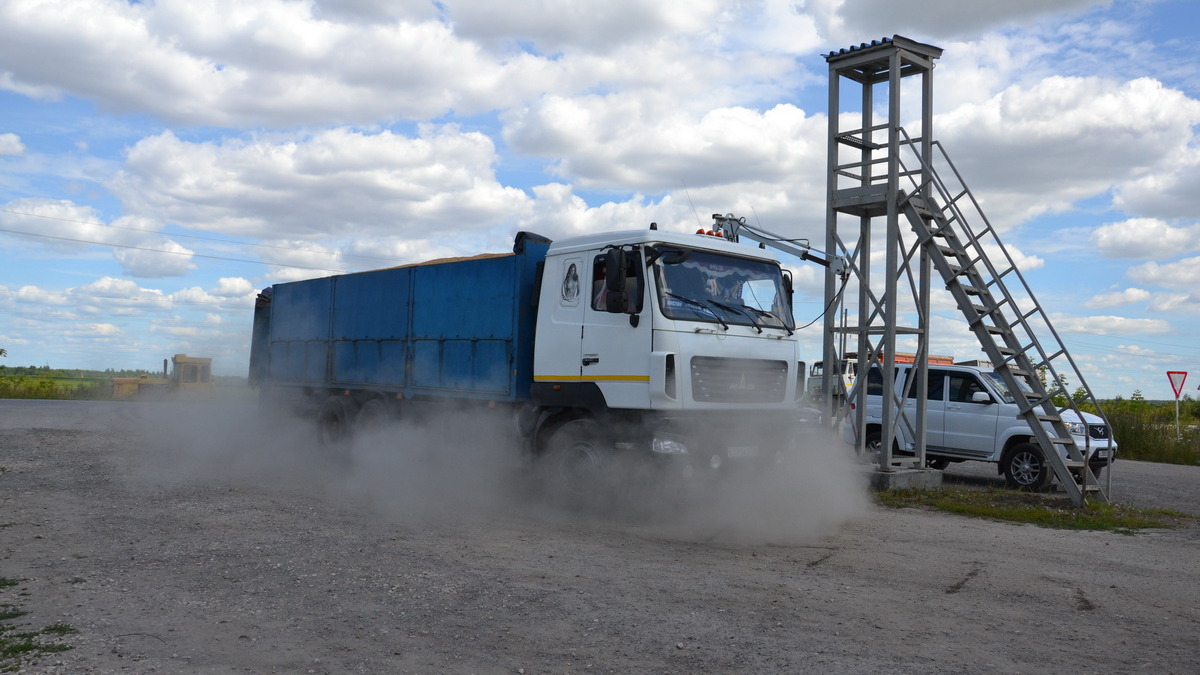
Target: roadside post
(1177, 377)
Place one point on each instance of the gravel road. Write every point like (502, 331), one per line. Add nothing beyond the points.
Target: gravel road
(212, 539)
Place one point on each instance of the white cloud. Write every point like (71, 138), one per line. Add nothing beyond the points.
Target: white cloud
(1041, 148)
(854, 20)
(556, 25)
(165, 259)
(199, 298)
(1118, 298)
(57, 224)
(1147, 238)
(10, 144)
(645, 141)
(1109, 325)
(232, 287)
(1169, 192)
(32, 295)
(1176, 302)
(226, 62)
(336, 182)
(109, 295)
(69, 229)
(1182, 274)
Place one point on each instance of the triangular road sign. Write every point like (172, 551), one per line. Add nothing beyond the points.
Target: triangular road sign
(1177, 378)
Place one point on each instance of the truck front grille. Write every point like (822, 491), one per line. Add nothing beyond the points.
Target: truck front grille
(1098, 431)
(720, 380)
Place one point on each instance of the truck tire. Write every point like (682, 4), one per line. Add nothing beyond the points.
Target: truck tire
(334, 420)
(1025, 468)
(373, 415)
(575, 464)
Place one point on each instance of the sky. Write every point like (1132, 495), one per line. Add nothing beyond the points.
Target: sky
(162, 162)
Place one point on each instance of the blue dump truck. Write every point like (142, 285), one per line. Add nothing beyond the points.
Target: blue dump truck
(679, 348)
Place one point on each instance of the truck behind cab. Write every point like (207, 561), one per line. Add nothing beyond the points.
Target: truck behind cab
(669, 346)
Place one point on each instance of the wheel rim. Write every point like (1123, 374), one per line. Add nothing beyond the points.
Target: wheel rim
(872, 447)
(1026, 468)
(580, 463)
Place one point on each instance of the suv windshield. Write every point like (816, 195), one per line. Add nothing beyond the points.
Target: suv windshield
(1002, 388)
(723, 289)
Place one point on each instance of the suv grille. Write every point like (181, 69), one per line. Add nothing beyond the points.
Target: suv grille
(719, 380)
(1099, 431)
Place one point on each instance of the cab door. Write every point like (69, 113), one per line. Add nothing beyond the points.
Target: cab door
(616, 346)
(563, 301)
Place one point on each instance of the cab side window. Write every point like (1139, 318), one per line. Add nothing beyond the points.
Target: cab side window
(632, 286)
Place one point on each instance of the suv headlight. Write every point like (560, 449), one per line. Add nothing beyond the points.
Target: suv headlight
(1077, 428)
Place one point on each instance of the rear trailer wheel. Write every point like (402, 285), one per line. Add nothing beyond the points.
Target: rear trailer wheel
(374, 415)
(1025, 468)
(334, 420)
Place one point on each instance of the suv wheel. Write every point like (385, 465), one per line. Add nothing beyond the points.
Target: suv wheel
(1025, 468)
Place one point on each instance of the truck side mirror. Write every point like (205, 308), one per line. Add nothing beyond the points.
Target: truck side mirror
(615, 267)
(981, 397)
(616, 302)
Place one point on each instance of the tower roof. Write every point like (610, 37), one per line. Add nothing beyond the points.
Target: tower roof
(870, 62)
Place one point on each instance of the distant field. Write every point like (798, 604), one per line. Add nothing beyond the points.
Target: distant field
(25, 386)
(85, 388)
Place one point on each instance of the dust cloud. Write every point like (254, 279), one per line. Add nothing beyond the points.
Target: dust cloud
(452, 466)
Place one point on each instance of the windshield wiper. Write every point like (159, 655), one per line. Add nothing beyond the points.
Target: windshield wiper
(699, 304)
(740, 310)
(773, 315)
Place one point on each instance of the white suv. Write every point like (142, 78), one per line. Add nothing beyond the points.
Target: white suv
(972, 415)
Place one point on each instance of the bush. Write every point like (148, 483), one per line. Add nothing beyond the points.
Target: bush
(1146, 431)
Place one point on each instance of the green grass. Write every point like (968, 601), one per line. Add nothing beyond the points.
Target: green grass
(1043, 510)
(20, 647)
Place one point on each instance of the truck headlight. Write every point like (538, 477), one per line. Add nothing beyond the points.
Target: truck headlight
(1077, 428)
(668, 446)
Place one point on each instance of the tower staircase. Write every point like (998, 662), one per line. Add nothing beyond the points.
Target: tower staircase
(1013, 329)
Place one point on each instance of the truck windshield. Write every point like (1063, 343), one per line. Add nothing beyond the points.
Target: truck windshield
(724, 289)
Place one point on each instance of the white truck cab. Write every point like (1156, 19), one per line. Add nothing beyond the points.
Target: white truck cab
(972, 415)
(654, 334)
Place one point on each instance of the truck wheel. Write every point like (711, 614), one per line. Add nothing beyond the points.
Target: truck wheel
(334, 419)
(575, 463)
(373, 415)
(1025, 468)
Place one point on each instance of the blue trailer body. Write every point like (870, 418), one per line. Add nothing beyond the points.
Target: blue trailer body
(454, 329)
